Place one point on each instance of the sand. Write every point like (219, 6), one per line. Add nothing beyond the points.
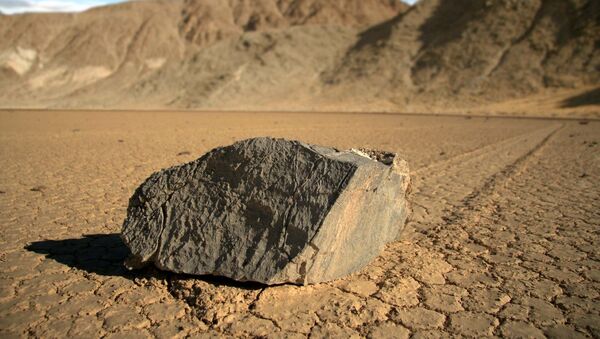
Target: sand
(503, 239)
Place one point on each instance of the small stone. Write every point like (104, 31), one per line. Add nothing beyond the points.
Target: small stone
(269, 210)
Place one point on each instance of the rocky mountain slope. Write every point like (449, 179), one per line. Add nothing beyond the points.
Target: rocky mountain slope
(299, 54)
(476, 50)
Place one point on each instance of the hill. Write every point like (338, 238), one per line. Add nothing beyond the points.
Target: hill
(438, 55)
(451, 52)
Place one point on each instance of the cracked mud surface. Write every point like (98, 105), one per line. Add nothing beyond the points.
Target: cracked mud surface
(502, 241)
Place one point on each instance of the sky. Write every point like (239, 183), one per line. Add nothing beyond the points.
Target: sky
(19, 6)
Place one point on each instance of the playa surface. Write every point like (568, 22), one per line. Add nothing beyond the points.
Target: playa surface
(503, 239)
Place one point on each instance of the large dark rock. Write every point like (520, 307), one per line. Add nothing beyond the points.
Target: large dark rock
(269, 210)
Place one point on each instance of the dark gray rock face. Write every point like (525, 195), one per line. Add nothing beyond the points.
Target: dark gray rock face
(269, 210)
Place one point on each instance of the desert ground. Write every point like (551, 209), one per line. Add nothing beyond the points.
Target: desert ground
(503, 239)
(500, 103)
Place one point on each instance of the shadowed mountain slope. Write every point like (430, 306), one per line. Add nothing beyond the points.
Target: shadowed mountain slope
(475, 50)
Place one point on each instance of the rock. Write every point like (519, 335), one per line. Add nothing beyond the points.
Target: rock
(269, 210)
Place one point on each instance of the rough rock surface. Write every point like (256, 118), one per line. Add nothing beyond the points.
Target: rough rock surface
(269, 210)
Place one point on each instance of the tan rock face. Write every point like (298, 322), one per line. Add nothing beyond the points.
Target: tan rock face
(269, 210)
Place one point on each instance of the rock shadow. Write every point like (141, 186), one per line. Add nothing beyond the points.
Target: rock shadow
(102, 254)
(220, 281)
(589, 98)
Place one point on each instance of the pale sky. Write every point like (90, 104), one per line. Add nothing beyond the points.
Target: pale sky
(19, 6)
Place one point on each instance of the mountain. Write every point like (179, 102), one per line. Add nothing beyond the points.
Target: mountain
(115, 55)
(464, 50)
(300, 54)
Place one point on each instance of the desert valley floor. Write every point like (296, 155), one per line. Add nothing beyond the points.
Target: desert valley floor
(503, 239)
